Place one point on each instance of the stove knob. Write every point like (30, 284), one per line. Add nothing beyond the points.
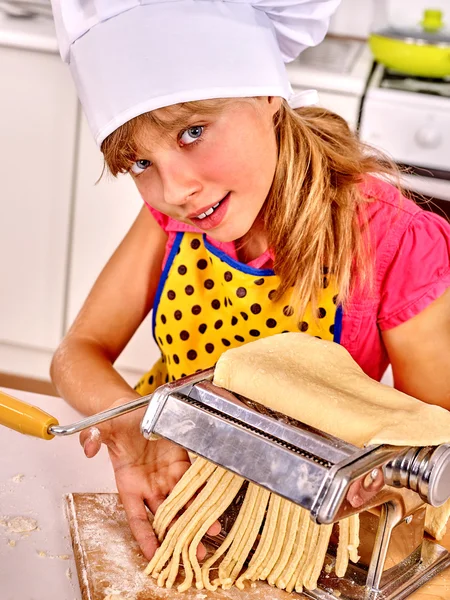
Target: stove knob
(428, 137)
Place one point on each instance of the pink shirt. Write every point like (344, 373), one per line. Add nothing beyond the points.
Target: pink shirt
(412, 268)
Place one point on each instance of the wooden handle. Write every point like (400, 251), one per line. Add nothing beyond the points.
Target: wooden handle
(25, 418)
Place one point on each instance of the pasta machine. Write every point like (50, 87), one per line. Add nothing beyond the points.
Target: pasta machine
(330, 478)
(318, 472)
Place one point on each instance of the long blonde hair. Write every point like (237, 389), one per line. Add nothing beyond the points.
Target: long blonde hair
(314, 215)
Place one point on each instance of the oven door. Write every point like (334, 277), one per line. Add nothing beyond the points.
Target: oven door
(430, 189)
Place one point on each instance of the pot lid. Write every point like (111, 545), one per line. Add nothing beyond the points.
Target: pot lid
(431, 30)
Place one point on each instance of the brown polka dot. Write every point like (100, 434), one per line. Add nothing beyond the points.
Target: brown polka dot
(150, 379)
(160, 341)
(184, 335)
(209, 348)
(254, 332)
(183, 375)
(234, 320)
(195, 244)
(171, 295)
(167, 378)
(225, 302)
(182, 270)
(244, 315)
(318, 337)
(202, 264)
(255, 308)
(226, 342)
(332, 329)
(303, 326)
(192, 355)
(229, 302)
(321, 313)
(271, 323)
(189, 290)
(325, 283)
(163, 319)
(196, 309)
(176, 359)
(215, 304)
(218, 324)
(169, 339)
(272, 294)
(239, 338)
(335, 299)
(325, 270)
(168, 359)
(178, 315)
(241, 292)
(202, 328)
(228, 276)
(209, 284)
(288, 311)
(173, 377)
(259, 281)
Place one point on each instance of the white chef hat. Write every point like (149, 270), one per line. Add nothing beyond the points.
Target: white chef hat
(128, 57)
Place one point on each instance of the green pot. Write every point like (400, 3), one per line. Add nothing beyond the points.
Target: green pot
(411, 56)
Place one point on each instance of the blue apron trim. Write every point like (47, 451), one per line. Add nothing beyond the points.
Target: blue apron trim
(162, 280)
(234, 263)
(338, 325)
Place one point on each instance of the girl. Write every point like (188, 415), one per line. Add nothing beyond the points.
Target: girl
(261, 215)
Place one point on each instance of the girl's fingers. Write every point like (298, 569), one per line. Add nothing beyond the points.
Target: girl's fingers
(140, 525)
(91, 441)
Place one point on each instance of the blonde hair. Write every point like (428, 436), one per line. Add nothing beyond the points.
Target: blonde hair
(314, 214)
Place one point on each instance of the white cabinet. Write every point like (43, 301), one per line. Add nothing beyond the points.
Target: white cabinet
(38, 120)
(103, 212)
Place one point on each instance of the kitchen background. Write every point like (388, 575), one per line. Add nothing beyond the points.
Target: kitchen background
(58, 226)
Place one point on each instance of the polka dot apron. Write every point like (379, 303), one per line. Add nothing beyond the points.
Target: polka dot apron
(207, 302)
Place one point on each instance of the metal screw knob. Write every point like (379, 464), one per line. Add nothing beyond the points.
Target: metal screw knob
(423, 470)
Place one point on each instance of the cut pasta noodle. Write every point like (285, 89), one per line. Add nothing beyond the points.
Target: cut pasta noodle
(278, 540)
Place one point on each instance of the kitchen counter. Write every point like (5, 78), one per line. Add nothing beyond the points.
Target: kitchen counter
(34, 476)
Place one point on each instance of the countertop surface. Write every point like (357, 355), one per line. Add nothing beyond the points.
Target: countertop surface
(36, 560)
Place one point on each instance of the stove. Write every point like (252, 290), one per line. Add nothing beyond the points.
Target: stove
(409, 119)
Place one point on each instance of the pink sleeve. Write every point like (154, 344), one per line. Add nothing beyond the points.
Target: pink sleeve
(419, 272)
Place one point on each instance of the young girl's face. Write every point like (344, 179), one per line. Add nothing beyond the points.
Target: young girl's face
(215, 171)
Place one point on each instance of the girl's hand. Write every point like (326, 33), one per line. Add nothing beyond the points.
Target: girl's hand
(145, 472)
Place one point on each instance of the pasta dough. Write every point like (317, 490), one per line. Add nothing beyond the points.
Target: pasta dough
(292, 373)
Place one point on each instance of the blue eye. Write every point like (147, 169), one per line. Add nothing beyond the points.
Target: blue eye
(140, 166)
(192, 134)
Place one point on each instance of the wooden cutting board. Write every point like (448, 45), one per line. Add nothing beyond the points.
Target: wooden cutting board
(108, 560)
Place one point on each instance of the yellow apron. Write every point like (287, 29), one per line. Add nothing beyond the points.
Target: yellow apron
(207, 302)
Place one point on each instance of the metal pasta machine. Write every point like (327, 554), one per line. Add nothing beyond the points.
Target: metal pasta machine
(318, 472)
(315, 470)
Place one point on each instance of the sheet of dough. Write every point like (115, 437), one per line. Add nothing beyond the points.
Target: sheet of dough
(318, 382)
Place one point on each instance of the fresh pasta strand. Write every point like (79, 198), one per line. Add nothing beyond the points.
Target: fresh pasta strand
(342, 549)
(288, 577)
(311, 575)
(190, 560)
(278, 540)
(175, 501)
(197, 517)
(353, 538)
(165, 550)
(220, 551)
(255, 525)
(291, 533)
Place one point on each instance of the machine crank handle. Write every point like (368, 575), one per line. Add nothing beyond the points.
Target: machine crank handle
(30, 420)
